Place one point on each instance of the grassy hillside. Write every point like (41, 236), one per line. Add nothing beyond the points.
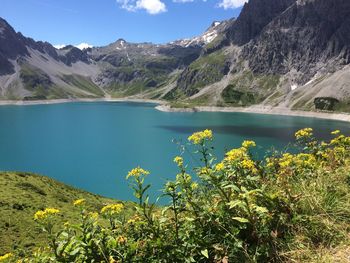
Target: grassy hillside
(22, 194)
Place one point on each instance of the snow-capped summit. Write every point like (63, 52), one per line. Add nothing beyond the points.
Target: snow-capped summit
(208, 36)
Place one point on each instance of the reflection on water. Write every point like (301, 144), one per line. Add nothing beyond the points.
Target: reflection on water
(285, 134)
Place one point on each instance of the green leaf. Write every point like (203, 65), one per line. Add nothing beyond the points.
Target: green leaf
(261, 210)
(233, 187)
(75, 251)
(235, 203)
(241, 219)
(205, 253)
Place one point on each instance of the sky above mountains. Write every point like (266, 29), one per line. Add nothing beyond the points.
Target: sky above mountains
(100, 22)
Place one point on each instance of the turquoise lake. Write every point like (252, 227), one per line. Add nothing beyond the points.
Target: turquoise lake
(93, 145)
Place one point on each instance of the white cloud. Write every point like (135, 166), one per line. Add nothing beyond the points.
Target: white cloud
(227, 4)
(82, 46)
(59, 46)
(152, 7)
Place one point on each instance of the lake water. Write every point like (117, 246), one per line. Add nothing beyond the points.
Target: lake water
(93, 145)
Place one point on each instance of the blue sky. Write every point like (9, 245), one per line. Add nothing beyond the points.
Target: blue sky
(100, 22)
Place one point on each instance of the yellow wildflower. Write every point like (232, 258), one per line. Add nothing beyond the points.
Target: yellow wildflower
(286, 160)
(6, 257)
(335, 132)
(43, 214)
(194, 186)
(204, 170)
(220, 167)
(235, 154)
(112, 260)
(122, 240)
(339, 139)
(303, 133)
(93, 215)
(249, 165)
(133, 220)
(112, 209)
(248, 144)
(179, 160)
(305, 159)
(137, 172)
(79, 202)
(200, 137)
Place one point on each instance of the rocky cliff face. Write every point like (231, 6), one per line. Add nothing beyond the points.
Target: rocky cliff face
(308, 36)
(285, 53)
(302, 44)
(255, 15)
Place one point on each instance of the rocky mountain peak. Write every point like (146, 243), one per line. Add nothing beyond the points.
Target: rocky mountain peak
(11, 46)
(71, 54)
(120, 41)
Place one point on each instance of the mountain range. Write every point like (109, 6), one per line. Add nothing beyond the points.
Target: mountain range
(293, 54)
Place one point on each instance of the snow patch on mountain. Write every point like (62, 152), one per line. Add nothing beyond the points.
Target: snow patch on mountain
(82, 46)
(207, 37)
(59, 46)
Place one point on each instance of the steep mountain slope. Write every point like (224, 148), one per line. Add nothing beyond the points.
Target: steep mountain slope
(287, 53)
(31, 69)
(10, 47)
(281, 53)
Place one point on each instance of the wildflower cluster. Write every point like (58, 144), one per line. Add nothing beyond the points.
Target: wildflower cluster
(248, 144)
(112, 209)
(79, 202)
(179, 161)
(237, 209)
(44, 214)
(201, 137)
(137, 172)
(240, 159)
(304, 133)
(6, 257)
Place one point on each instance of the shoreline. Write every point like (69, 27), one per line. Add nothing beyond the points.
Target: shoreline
(261, 110)
(59, 101)
(162, 106)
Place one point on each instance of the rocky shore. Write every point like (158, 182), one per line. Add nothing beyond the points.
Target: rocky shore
(261, 110)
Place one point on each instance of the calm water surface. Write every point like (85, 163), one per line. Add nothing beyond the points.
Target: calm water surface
(93, 145)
